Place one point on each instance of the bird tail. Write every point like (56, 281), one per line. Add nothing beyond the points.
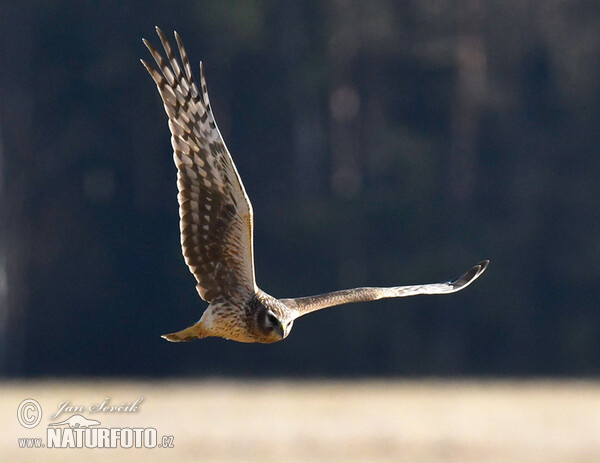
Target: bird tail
(196, 331)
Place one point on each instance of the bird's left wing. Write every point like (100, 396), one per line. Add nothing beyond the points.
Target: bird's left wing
(304, 305)
(216, 220)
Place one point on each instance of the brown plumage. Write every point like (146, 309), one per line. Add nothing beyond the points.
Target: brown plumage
(216, 223)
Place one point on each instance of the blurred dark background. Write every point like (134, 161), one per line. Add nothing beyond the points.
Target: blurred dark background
(381, 142)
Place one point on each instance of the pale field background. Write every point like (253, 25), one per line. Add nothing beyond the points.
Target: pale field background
(318, 421)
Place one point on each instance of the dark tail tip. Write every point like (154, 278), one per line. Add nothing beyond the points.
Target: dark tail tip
(177, 337)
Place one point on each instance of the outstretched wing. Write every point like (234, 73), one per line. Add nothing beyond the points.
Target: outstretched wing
(304, 305)
(215, 213)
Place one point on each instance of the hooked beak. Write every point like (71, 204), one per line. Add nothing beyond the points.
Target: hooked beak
(286, 328)
(281, 330)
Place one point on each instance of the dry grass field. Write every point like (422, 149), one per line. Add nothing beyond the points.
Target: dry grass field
(318, 421)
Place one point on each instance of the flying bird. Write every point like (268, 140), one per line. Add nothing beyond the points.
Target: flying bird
(216, 223)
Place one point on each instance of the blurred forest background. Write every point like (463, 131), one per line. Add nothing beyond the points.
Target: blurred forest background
(381, 142)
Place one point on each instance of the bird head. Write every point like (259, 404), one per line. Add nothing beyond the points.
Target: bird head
(272, 324)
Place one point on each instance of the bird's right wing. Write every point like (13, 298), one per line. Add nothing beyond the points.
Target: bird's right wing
(304, 305)
(216, 220)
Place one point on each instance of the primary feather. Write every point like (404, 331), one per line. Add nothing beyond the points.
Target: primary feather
(215, 213)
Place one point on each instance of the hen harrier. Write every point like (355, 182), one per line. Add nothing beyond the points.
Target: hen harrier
(216, 223)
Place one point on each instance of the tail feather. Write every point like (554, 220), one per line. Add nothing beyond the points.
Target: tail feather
(189, 334)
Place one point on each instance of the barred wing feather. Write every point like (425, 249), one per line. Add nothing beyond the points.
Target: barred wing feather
(216, 219)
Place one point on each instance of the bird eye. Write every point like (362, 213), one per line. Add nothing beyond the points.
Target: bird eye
(272, 320)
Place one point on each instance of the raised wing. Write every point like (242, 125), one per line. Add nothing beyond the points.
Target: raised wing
(304, 305)
(216, 220)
